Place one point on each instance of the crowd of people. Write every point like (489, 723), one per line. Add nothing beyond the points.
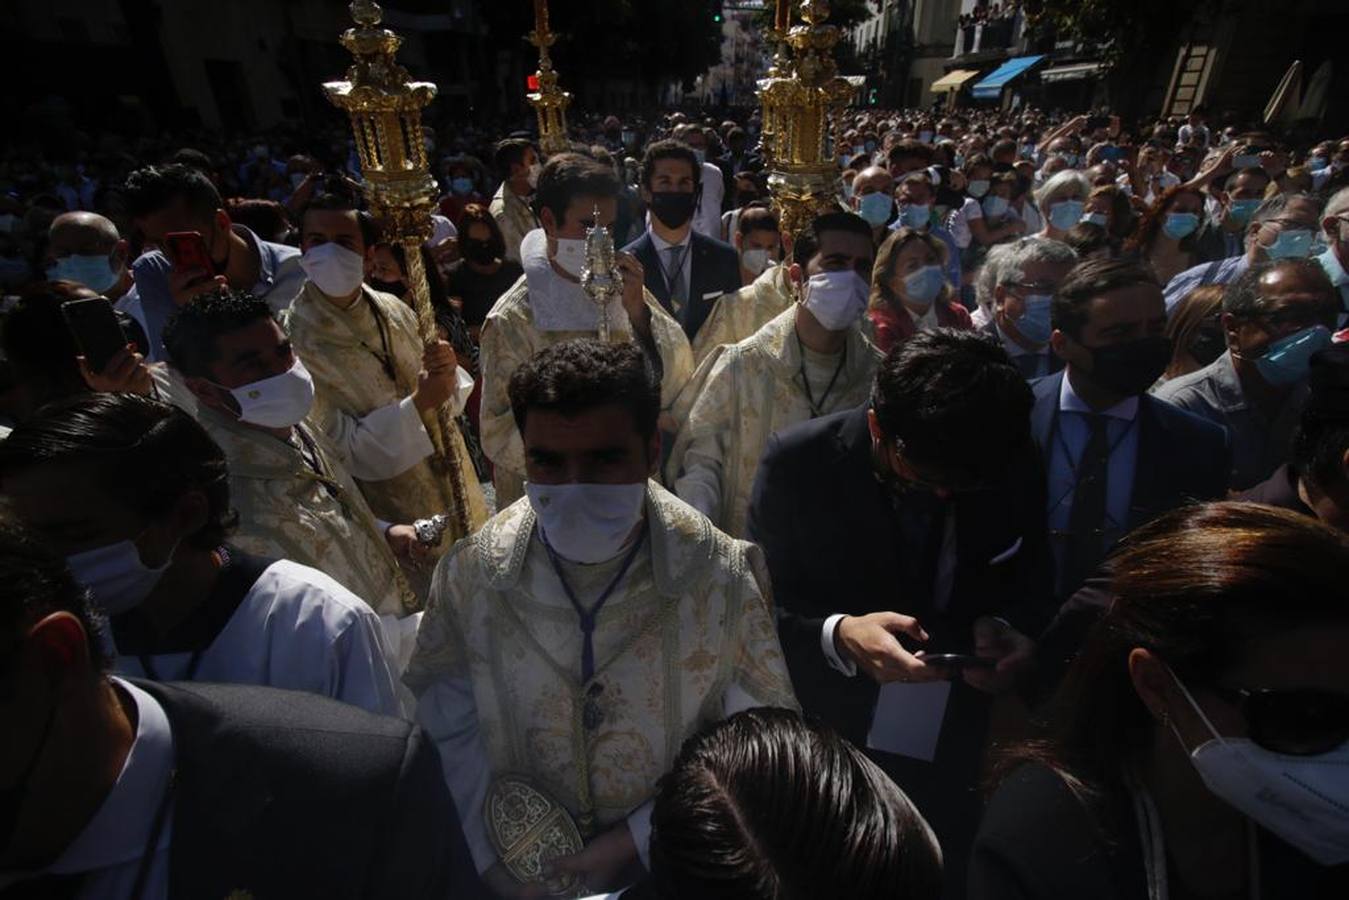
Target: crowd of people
(983, 537)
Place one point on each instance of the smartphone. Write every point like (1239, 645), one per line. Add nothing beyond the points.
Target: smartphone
(96, 330)
(187, 251)
(1114, 153)
(1095, 122)
(1246, 161)
(958, 661)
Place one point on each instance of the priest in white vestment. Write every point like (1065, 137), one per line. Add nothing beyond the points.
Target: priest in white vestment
(811, 360)
(591, 627)
(547, 306)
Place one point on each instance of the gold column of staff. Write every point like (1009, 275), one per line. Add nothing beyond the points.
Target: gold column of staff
(801, 91)
(385, 107)
(550, 101)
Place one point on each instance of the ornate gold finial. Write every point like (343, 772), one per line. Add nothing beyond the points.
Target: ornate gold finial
(550, 102)
(385, 108)
(801, 92)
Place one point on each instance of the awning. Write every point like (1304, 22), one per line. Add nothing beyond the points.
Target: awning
(991, 87)
(1074, 72)
(952, 80)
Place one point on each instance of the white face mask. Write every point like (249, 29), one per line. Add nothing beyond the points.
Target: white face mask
(837, 299)
(533, 176)
(571, 256)
(755, 260)
(1302, 799)
(115, 575)
(587, 523)
(281, 401)
(334, 269)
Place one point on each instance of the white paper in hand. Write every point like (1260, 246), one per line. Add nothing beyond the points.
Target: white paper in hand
(908, 717)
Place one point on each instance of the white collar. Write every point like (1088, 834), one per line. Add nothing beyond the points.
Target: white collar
(1125, 410)
(118, 832)
(927, 319)
(557, 303)
(662, 244)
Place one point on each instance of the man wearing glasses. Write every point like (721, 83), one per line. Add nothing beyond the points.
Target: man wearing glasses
(1020, 279)
(911, 526)
(1283, 227)
(1276, 315)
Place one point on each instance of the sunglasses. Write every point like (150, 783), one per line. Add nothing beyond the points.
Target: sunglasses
(1293, 722)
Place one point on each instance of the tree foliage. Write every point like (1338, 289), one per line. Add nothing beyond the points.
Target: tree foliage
(842, 13)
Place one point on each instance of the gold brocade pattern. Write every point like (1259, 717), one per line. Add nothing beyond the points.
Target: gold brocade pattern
(339, 349)
(510, 337)
(744, 392)
(737, 316)
(688, 621)
(286, 511)
(513, 218)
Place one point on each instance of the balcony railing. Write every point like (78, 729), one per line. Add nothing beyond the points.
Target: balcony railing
(997, 34)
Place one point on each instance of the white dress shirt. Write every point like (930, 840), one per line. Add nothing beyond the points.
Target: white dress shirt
(298, 629)
(110, 849)
(663, 254)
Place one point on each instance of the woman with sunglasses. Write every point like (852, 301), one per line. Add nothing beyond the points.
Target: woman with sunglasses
(1199, 746)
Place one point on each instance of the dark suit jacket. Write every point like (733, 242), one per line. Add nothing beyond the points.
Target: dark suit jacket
(715, 270)
(1181, 457)
(283, 794)
(1026, 365)
(832, 539)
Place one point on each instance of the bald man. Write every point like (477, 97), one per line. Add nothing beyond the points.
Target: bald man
(877, 184)
(85, 248)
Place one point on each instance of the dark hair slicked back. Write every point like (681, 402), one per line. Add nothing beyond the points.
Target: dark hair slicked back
(190, 336)
(154, 188)
(1088, 280)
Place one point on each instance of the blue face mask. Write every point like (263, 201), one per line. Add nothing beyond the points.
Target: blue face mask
(461, 185)
(959, 160)
(1240, 211)
(977, 188)
(1180, 225)
(94, 272)
(870, 146)
(1316, 162)
(1070, 159)
(1066, 213)
(923, 286)
(1288, 360)
(875, 208)
(916, 215)
(995, 207)
(1034, 322)
(1291, 243)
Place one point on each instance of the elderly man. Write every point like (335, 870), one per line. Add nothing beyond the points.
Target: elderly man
(86, 248)
(873, 198)
(1282, 227)
(1335, 225)
(1276, 315)
(1020, 279)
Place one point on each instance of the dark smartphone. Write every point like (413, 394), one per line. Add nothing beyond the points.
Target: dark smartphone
(958, 661)
(187, 251)
(96, 330)
(1095, 122)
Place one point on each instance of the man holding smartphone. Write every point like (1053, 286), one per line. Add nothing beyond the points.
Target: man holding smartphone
(181, 201)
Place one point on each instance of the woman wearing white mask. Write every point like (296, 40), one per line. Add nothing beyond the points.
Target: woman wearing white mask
(1061, 201)
(909, 290)
(1199, 745)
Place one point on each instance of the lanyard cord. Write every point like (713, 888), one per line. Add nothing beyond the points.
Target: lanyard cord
(588, 616)
(818, 410)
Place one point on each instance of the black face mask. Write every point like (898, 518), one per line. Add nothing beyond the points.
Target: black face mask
(673, 208)
(479, 252)
(387, 287)
(1207, 345)
(1130, 368)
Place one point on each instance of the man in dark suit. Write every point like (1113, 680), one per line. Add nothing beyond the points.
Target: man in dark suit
(117, 788)
(1019, 278)
(915, 521)
(1115, 458)
(686, 271)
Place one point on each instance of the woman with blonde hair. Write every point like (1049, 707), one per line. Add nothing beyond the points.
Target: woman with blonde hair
(1196, 331)
(909, 290)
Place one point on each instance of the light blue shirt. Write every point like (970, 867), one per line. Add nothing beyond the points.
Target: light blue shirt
(1069, 441)
(280, 279)
(1219, 271)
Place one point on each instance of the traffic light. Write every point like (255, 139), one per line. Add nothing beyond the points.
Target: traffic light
(716, 12)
